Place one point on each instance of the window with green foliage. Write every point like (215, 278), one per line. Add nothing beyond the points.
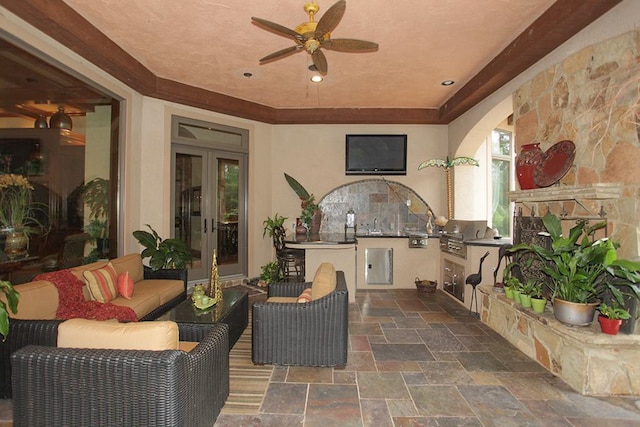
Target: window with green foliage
(501, 160)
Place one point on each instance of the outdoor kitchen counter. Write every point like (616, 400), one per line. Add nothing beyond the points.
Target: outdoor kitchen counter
(336, 248)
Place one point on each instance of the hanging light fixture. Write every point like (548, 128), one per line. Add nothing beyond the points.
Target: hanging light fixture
(41, 122)
(60, 120)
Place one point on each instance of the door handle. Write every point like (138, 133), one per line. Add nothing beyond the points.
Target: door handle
(205, 225)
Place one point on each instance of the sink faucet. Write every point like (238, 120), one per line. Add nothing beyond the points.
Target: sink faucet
(375, 223)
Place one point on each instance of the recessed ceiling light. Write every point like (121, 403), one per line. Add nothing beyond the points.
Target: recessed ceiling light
(447, 83)
(316, 79)
(247, 74)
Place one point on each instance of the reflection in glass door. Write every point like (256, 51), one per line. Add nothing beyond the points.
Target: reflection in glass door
(209, 208)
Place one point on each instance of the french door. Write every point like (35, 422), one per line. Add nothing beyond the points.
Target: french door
(210, 208)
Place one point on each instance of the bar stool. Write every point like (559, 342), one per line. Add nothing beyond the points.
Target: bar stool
(291, 265)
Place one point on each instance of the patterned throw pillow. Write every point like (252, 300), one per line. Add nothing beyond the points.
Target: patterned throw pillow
(101, 283)
(125, 285)
(305, 296)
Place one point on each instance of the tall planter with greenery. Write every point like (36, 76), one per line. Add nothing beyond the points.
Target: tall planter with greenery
(583, 270)
(163, 253)
(311, 215)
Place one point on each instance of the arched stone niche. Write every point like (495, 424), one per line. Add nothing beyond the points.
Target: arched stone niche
(393, 207)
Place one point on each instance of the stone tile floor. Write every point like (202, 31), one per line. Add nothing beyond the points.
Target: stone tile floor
(423, 360)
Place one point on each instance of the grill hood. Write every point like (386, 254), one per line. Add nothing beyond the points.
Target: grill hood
(465, 229)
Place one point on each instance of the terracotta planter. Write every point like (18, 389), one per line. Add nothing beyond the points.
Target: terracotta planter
(573, 313)
(526, 162)
(538, 304)
(609, 326)
(316, 222)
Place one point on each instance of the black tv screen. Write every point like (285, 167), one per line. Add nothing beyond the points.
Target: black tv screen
(376, 155)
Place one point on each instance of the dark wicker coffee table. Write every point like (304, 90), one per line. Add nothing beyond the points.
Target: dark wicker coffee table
(233, 310)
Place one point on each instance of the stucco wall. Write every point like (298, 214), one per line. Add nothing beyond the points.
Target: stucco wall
(466, 132)
(312, 154)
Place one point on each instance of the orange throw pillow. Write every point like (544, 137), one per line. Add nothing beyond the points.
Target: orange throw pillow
(125, 285)
(101, 283)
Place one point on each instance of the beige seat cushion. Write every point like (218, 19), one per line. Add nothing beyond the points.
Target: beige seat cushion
(283, 299)
(131, 263)
(83, 333)
(38, 301)
(324, 281)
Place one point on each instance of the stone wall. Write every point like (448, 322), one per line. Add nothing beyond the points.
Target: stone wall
(592, 98)
(591, 362)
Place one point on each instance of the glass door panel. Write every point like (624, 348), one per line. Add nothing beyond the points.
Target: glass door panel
(209, 209)
(188, 223)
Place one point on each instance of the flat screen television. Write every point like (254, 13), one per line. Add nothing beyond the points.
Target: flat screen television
(376, 155)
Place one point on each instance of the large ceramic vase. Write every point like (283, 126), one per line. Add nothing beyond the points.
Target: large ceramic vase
(16, 243)
(574, 313)
(526, 163)
(316, 221)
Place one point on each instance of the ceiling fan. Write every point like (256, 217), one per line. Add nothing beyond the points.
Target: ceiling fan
(312, 36)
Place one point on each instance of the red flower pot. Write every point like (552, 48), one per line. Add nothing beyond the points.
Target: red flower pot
(609, 326)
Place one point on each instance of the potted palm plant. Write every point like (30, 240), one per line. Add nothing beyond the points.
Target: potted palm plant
(582, 270)
(611, 317)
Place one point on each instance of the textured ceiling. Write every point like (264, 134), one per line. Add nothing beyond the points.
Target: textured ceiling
(211, 44)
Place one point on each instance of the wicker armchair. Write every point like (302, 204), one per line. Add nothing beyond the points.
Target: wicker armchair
(82, 387)
(308, 334)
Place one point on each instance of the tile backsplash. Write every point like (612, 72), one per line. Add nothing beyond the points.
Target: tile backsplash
(387, 206)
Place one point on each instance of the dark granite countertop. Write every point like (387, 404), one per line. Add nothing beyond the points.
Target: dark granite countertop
(321, 239)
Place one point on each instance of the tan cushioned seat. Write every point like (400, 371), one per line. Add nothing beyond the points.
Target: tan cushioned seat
(283, 299)
(38, 301)
(131, 263)
(324, 281)
(83, 333)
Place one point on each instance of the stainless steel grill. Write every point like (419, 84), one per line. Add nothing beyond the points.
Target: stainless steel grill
(456, 232)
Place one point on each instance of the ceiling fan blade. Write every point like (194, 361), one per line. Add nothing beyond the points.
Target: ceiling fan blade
(331, 18)
(320, 61)
(280, 54)
(277, 28)
(349, 45)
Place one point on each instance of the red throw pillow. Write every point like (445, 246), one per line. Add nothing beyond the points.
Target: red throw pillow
(305, 296)
(125, 285)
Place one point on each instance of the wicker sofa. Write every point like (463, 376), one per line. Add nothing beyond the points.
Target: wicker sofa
(155, 292)
(124, 387)
(288, 331)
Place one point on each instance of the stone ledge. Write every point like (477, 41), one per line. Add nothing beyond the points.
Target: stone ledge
(591, 362)
(599, 191)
